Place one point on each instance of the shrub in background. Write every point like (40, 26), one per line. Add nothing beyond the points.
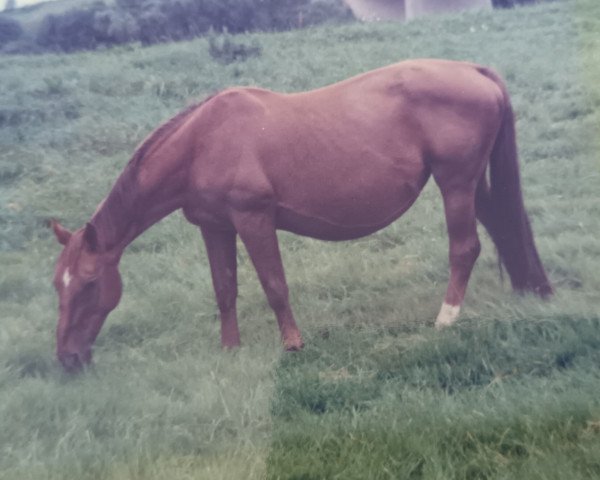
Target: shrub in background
(225, 50)
(154, 21)
(73, 30)
(10, 30)
(511, 3)
(22, 46)
(114, 27)
(161, 21)
(321, 11)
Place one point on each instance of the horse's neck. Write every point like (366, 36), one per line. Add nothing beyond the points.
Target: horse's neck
(127, 211)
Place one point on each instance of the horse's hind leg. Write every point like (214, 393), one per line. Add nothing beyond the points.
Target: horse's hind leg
(221, 250)
(459, 206)
(257, 231)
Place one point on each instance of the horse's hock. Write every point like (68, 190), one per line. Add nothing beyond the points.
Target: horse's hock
(400, 10)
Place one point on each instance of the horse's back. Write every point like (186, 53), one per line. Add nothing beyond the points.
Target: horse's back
(344, 160)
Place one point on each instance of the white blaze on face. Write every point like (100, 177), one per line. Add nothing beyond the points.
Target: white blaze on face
(447, 316)
(66, 278)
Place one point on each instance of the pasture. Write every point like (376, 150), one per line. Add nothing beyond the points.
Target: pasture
(512, 391)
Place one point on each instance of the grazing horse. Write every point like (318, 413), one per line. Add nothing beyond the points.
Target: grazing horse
(336, 163)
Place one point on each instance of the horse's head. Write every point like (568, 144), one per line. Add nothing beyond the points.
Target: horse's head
(89, 287)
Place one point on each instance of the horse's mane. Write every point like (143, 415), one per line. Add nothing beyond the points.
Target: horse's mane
(167, 127)
(109, 215)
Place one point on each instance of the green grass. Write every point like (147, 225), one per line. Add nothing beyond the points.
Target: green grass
(492, 399)
(511, 392)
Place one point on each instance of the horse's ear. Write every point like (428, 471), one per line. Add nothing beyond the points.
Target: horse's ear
(62, 234)
(90, 237)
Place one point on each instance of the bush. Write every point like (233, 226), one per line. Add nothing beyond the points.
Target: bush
(281, 14)
(321, 11)
(131, 6)
(154, 21)
(153, 26)
(113, 27)
(86, 29)
(224, 50)
(510, 3)
(164, 21)
(21, 46)
(74, 30)
(10, 30)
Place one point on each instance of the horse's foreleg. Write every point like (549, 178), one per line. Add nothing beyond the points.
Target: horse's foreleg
(459, 206)
(257, 231)
(221, 250)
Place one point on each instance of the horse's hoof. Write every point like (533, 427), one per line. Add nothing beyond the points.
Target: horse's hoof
(447, 316)
(230, 345)
(441, 325)
(293, 345)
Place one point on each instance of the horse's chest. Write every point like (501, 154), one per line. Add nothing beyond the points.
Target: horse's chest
(203, 208)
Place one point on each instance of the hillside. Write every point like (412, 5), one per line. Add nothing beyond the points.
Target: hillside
(510, 392)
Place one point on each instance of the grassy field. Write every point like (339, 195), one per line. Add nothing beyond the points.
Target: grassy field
(511, 392)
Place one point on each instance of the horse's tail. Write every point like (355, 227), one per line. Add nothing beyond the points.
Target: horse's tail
(501, 209)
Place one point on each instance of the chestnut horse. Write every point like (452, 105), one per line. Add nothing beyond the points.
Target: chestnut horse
(336, 163)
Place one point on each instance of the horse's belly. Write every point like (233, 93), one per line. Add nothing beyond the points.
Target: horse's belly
(335, 217)
(322, 229)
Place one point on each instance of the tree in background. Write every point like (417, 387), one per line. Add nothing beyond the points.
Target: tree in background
(10, 30)
(510, 3)
(71, 31)
(113, 27)
(154, 21)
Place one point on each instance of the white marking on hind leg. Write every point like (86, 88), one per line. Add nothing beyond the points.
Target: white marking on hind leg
(447, 316)
(66, 278)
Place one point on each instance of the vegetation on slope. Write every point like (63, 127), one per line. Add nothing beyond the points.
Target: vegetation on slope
(97, 24)
(65, 26)
(511, 392)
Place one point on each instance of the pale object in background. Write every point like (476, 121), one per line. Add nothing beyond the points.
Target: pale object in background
(400, 10)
